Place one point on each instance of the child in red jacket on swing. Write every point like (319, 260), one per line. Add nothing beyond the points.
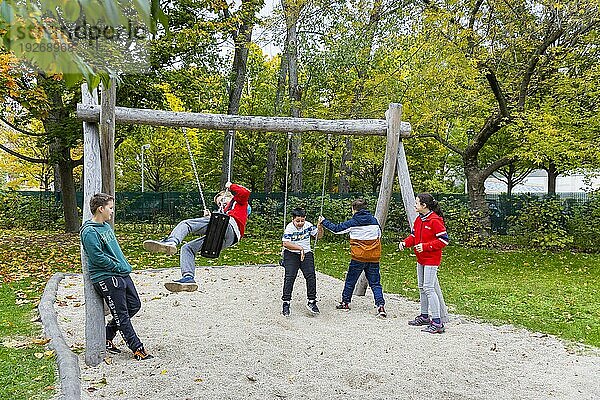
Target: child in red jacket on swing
(428, 237)
(236, 207)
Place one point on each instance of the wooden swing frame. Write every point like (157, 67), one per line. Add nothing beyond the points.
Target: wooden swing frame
(99, 121)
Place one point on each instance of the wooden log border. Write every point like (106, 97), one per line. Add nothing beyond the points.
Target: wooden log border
(67, 361)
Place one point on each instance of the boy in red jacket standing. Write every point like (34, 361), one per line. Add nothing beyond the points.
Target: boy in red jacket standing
(428, 238)
(236, 207)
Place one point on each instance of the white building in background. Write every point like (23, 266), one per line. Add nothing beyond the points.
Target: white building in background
(537, 182)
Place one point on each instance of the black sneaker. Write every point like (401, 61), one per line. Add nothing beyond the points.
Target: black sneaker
(420, 321)
(285, 311)
(381, 312)
(312, 307)
(434, 328)
(343, 306)
(111, 348)
(140, 354)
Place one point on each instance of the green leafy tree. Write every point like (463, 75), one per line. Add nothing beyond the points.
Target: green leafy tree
(492, 55)
(34, 31)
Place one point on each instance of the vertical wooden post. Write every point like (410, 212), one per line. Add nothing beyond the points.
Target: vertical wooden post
(107, 139)
(394, 121)
(92, 183)
(406, 189)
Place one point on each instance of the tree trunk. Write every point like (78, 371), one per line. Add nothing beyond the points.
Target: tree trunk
(237, 79)
(60, 153)
(345, 168)
(330, 171)
(292, 12)
(271, 165)
(357, 106)
(68, 193)
(57, 183)
(296, 164)
(552, 175)
(272, 154)
(477, 202)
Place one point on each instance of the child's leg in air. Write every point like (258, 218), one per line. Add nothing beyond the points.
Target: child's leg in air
(169, 244)
(185, 227)
(187, 263)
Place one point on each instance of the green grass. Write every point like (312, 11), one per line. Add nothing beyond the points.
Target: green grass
(553, 293)
(24, 376)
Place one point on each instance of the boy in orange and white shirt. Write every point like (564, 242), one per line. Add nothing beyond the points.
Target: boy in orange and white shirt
(365, 247)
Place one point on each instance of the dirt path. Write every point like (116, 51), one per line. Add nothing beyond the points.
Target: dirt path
(229, 341)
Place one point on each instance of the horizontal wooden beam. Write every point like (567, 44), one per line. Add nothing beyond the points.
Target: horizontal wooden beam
(141, 116)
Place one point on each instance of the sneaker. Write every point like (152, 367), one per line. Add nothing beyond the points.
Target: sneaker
(185, 284)
(343, 306)
(160, 246)
(285, 311)
(140, 354)
(111, 348)
(419, 321)
(312, 307)
(381, 312)
(434, 328)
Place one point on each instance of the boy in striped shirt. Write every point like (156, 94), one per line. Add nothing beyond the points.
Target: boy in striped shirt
(297, 255)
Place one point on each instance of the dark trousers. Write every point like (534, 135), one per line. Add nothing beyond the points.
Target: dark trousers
(123, 302)
(372, 275)
(292, 263)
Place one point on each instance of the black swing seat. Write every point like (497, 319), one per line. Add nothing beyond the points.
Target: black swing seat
(215, 234)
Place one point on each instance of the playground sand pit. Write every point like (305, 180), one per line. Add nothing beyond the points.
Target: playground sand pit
(229, 341)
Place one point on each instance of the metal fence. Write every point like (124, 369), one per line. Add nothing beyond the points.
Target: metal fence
(168, 208)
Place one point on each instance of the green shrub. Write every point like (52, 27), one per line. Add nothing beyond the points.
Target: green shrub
(462, 224)
(541, 223)
(36, 211)
(584, 224)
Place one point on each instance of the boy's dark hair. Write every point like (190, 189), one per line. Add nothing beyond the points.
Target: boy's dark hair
(99, 200)
(298, 212)
(359, 204)
(430, 203)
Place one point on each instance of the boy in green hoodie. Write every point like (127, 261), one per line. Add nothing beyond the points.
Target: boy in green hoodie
(109, 273)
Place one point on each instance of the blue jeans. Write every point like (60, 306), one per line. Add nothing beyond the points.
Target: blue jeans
(187, 254)
(372, 275)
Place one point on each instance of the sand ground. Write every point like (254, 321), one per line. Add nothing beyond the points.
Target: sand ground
(228, 340)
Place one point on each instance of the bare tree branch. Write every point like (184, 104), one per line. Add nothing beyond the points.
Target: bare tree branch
(497, 90)
(490, 169)
(532, 63)
(444, 142)
(23, 157)
(19, 130)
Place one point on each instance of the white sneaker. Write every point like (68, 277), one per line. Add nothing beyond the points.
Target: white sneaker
(159, 246)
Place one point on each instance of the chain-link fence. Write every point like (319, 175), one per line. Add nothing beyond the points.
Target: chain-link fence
(167, 208)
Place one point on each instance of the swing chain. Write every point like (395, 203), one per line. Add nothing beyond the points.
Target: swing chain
(323, 186)
(189, 149)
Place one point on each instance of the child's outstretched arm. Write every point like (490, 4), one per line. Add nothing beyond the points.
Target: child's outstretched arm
(338, 229)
